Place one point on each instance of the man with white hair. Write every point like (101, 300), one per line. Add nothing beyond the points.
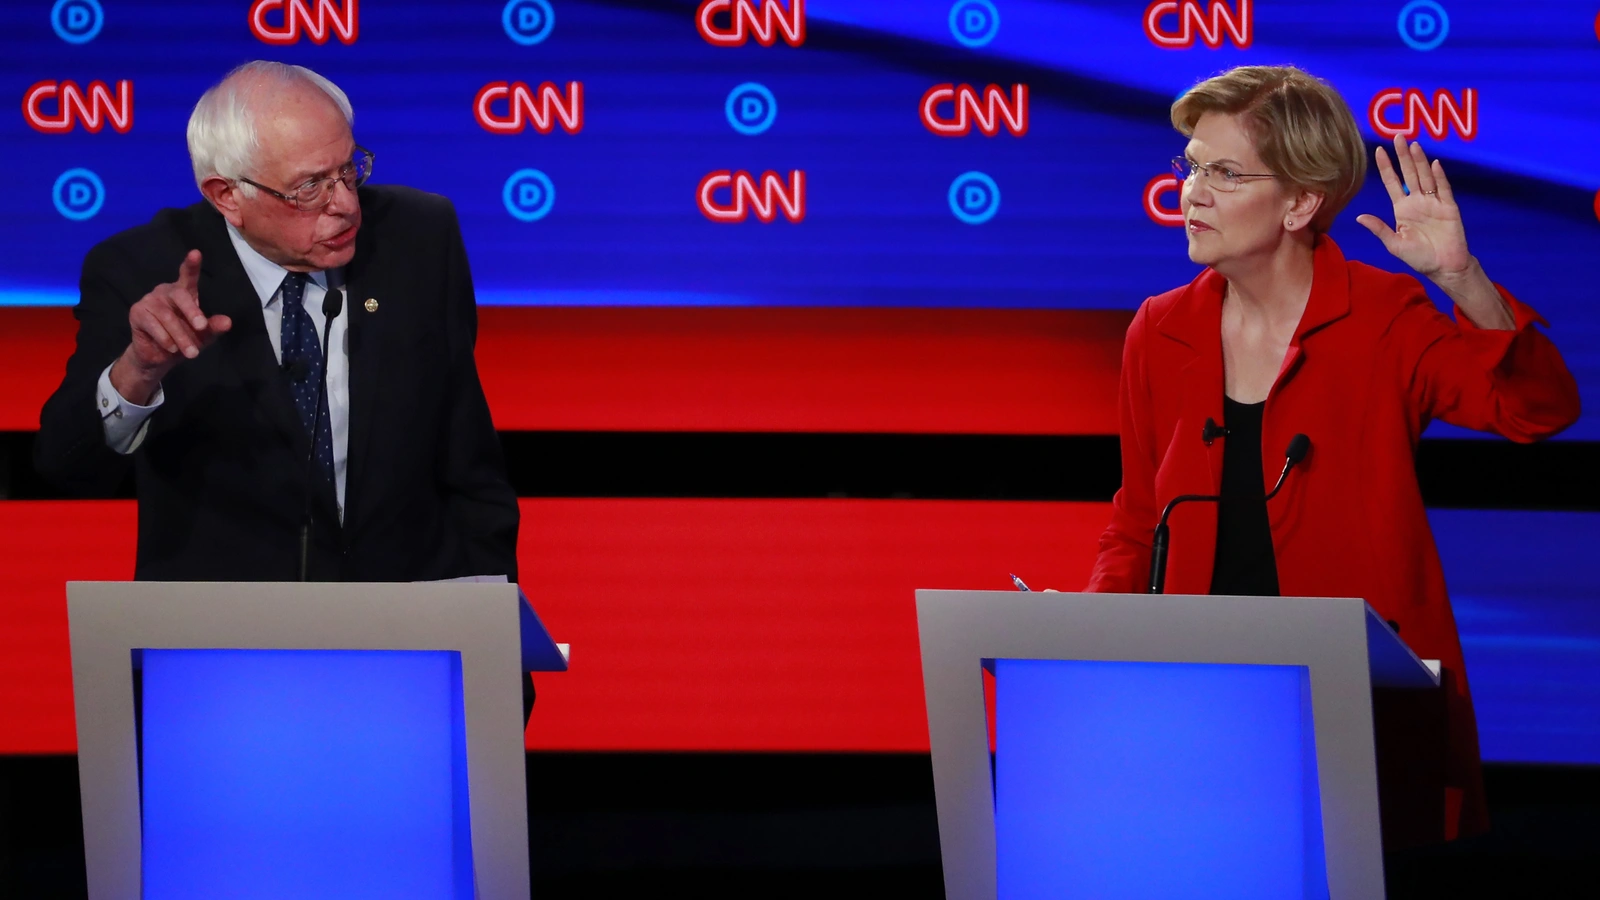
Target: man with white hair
(203, 341)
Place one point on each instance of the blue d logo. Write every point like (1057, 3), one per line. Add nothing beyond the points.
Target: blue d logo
(974, 198)
(528, 195)
(78, 194)
(77, 21)
(1424, 24)
(974, 22)
(528, 21)
(751, 108)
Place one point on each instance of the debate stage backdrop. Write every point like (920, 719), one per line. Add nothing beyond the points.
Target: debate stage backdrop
(974, 153)
(983, 154)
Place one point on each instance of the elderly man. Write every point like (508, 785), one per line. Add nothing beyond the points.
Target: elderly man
(201, 355)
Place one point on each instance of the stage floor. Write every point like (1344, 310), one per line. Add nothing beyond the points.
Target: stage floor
(810, 825)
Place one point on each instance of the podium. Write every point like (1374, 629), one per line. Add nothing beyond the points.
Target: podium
(1157, 745)
(304, 740)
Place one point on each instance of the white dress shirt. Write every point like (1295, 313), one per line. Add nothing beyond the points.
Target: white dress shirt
(126, 423)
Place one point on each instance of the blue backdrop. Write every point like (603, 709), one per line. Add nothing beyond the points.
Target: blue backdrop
(1058, 218)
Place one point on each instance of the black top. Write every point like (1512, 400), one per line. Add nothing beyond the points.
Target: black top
(1245, 564)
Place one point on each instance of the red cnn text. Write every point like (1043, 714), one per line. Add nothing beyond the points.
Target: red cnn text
(764, 20)
(1159, 212)
(1174, 24)
(951, 110)
(730, 197)
(542, 107)
(316, 19)
(93, 108)
(1418, 115)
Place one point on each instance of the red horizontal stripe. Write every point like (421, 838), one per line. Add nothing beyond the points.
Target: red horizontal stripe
(695, 624)
(34, 346)
(745, 369)
(851, 370)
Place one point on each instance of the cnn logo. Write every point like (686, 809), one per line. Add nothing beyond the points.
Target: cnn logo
(764, 20)
(951, 110)
(317, 19)
(765, 196)
(542, 107)
(1417, 114)
(1174, 24)
(1159, 212)
(93, 108)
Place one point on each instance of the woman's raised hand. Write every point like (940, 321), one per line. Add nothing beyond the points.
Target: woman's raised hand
(1428, 235)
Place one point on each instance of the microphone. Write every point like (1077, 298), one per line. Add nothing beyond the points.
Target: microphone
(1299, 446)
(297, 369)
(332, 305)
(1211, 431)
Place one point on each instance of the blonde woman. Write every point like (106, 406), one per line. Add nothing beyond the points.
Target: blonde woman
(1281, 335)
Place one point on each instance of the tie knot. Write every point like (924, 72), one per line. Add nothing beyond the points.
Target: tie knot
(294, 287)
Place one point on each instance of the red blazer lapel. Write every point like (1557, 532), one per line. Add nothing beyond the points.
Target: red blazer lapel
(1328, 303)
(1195, 321)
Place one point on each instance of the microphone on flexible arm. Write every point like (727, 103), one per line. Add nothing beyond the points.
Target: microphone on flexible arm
(1299, 446)
(332, 304)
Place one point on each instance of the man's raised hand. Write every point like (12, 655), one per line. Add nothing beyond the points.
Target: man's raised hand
(168, 327)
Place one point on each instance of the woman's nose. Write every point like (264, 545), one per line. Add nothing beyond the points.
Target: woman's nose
(1196, 192)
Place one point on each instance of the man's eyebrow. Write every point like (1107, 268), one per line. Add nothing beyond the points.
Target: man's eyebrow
(305, 176)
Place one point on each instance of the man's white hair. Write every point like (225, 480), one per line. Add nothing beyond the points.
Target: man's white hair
(222, 128)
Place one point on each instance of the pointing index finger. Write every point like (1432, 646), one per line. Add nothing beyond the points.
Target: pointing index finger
(189, 271)
(187, 296)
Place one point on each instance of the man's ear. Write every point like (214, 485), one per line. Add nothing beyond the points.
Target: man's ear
(224, 196)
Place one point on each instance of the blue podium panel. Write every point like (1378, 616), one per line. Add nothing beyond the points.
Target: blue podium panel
(1155, 780)
(305, 774)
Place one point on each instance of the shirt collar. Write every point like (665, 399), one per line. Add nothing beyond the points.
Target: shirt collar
(265, 275)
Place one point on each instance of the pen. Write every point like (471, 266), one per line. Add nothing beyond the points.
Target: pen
(1018, 582)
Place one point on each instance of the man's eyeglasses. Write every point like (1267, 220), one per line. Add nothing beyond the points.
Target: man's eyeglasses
(317, 193)
(1220, 178)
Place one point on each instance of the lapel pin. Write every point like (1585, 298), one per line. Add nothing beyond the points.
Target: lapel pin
(372, 304)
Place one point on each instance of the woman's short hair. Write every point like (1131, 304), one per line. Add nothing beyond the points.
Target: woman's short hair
(1302, 129)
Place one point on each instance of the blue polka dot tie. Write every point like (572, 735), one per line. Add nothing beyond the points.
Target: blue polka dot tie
(300, 344)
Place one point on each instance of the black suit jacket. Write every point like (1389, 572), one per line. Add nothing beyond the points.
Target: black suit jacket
(221, 473)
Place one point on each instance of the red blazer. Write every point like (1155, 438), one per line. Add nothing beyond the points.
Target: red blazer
(1371, 363)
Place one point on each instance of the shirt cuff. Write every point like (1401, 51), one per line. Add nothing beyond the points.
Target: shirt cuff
(125, 423)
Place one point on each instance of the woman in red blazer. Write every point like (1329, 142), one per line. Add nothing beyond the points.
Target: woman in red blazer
(1281, 335)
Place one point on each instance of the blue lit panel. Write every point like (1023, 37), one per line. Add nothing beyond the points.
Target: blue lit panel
(1526, 595)
(305, 774)
(1155, 780)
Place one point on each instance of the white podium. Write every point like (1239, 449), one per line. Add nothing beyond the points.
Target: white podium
(304, 740)
(1158, 745)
